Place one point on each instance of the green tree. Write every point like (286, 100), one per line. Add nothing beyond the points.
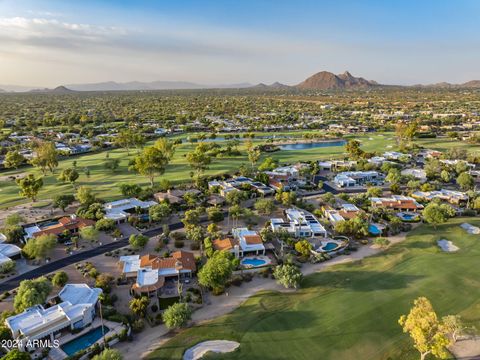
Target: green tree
(60, 279)
(426, 331)
(85, 196)
(125, 139)
(16, 354)
(40, 246)
(303, 247)
(352, 147)
(436, 214)
(216, 271)
(63, 201)
(264, 206)
(191, 217)
(252, 152)
(445, 176)
(159, 212)
(130, 190)
(150, 163)
(30, 186)
(166, 147)
(111, 164)
(138, 241)
(89, 233)
(69, 175)
(13, 159)
(177, 315)
(215, 214)
(138, 306)
(109, 354)
(394, 176)
(31, 292)
(46, 157)
(465, 181)
(288, 275)
(268, 164)
(199, 160)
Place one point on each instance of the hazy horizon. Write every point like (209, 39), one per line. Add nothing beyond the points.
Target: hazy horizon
(47, 43)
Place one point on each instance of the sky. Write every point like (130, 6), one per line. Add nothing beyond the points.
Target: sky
(52, 42)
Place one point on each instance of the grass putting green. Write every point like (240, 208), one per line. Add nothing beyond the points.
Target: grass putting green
(350, 311)
(105, 183)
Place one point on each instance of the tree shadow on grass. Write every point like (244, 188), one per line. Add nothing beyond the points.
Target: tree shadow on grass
(360, 280)
(420, 244)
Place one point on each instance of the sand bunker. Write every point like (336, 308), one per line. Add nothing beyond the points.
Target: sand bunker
(470, 228)
(216, 346)
(447, 245)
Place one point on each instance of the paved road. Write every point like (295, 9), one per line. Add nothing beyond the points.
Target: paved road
(13, 282)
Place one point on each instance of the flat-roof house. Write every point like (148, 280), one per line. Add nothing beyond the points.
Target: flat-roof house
(76, 311)
(396, 202)
(419, 174)
(249, 241)
(150, 271)
(451, 196)
(120, 210)
(299, 223)
(356, 178)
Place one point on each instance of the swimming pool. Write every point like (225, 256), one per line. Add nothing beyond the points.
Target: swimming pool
(374, 230)
(84, 341)
(253, 262)
(408, 216)
(330, 246)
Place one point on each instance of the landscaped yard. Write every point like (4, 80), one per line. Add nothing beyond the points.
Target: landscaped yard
(105, 183)
(351, 311)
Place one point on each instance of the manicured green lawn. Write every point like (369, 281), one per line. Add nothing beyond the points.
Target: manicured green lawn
(351, 311)
(105, 183)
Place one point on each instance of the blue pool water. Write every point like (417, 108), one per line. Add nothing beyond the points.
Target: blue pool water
(329, 246)
(84, 341)
(374, 230)
(254, 262)
(408, 216)
(312, 145)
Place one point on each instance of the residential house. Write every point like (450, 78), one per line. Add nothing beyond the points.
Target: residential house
(249, 241)
(397, 203)
(451, 196)
(75, 311)
(70, 225)
(357, 178)
(346, 212)
(120, 210)
(151, 271)
(299, 223)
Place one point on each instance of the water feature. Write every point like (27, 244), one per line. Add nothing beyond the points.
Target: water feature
(312, 145)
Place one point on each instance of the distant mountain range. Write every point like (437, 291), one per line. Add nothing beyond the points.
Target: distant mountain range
(322, 80)
(154, 85)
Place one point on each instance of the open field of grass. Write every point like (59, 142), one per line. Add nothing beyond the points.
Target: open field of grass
(351, 311)
(105, 183)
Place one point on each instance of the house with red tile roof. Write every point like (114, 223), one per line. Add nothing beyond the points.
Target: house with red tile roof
(397, 203)
(151, 271)
(67, 224)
